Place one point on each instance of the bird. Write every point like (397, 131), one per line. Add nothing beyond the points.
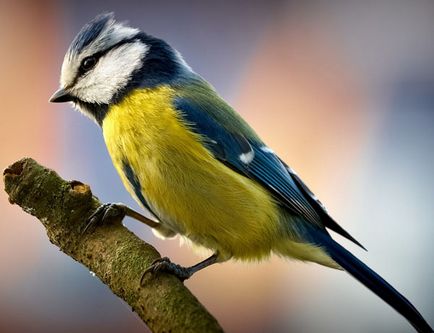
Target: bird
(192, 162)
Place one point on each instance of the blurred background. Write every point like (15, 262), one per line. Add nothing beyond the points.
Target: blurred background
(343, 91)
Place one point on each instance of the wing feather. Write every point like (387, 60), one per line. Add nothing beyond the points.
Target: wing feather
(247, 155)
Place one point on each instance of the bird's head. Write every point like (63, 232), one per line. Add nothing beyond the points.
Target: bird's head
(107, 59)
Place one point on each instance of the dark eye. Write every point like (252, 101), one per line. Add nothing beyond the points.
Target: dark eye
(87, 64)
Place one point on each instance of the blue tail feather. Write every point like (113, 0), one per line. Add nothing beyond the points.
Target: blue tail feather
(370, 279)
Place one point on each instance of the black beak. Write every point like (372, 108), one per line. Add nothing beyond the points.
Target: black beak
(61, 96)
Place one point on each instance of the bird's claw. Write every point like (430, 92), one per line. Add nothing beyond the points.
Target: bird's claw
(165, 265)
(106, 213)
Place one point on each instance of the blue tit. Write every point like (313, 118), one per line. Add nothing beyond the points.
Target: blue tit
(186, 156)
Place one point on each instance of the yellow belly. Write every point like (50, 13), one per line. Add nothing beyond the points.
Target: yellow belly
(190, 191)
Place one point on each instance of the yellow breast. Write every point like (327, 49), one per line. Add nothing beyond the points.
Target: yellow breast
(189, 190)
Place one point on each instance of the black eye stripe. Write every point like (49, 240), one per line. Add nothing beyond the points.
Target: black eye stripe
(82, 71)
(122, 42)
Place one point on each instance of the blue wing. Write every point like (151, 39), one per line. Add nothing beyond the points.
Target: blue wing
(248, 156)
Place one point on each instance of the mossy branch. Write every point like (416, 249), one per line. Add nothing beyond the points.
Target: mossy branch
(116, 256)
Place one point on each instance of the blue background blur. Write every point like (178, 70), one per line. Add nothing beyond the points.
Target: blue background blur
(343, 91)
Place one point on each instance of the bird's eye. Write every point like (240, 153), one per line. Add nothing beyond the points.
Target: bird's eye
(87, 64)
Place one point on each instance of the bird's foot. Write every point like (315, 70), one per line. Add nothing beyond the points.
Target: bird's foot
(106, 213)
(165, 265)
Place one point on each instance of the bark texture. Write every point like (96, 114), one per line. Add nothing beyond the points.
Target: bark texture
(116, 256)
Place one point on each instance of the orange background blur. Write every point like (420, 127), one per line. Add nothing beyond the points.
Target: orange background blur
(343, 91)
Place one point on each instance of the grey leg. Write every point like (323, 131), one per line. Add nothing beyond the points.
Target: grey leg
(182, 273)
(115, 212)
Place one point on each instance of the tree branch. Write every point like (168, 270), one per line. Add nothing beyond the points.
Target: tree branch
(112, 252)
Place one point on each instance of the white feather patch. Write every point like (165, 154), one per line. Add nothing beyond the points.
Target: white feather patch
(247, 158)
(266, 149)
(291, 170)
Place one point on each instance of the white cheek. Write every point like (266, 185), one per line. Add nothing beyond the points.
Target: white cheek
(112, 34)
(111, 74)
